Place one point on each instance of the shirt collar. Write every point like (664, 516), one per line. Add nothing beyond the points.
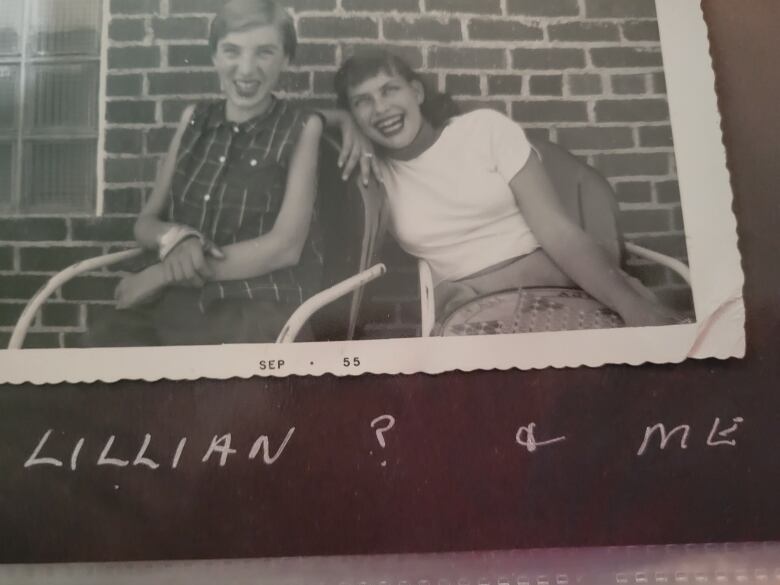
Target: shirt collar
(217, 117)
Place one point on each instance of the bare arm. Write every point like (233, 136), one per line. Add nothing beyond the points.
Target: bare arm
(575, 252)
(149, 227)
(187, 265)
(140, 287)
(283, 244)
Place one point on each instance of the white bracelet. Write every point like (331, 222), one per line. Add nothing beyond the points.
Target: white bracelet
(175, 236)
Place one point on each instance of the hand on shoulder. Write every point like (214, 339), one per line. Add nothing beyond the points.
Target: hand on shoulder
(357, 151)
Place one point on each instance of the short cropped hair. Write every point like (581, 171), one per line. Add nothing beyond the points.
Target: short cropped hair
(240, 15)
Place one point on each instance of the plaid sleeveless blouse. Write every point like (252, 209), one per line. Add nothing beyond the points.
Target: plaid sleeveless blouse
(229, 184)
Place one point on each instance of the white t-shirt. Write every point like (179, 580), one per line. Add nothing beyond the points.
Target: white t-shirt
(452, 205)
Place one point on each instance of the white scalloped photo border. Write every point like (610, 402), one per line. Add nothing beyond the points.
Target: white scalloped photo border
(712, 248)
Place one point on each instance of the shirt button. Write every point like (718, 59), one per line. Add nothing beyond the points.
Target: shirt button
(253, 162)
(206, 197)
(222, 159)
(236, 129)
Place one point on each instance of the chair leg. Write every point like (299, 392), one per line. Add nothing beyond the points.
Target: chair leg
(427, 301)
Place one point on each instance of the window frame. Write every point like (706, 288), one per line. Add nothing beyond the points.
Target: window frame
(22, 138)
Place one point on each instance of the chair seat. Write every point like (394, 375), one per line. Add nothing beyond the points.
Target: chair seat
(530, 310)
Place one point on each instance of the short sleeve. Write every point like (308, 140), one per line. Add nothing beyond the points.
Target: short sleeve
(509, 145)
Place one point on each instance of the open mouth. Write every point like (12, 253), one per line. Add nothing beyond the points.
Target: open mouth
(247, 88)
(390, 126)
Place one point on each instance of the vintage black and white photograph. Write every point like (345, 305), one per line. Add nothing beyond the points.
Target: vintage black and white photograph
(348, 186)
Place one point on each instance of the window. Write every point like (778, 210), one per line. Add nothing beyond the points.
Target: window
(49, 84)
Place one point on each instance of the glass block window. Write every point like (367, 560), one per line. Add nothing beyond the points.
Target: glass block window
(49, 84)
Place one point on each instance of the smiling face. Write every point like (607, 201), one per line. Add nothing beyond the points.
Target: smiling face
(387, 109)
(249, 64)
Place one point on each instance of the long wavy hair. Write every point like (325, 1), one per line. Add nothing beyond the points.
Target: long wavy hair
(437, 108)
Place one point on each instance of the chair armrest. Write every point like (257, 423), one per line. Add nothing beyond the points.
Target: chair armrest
(427, 301)
(55, 282)
(303, 313)
(672, 263)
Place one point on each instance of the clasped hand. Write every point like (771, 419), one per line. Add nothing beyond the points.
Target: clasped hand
(186, 265)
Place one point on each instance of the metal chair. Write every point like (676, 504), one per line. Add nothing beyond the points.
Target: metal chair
(350, 214)
(589, 200)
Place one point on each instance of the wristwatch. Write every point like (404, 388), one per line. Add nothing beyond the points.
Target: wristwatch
(174, 236)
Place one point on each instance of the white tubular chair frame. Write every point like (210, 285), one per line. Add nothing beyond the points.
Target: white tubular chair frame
(672, 264)
(427, 301)
(428, 306)
(303, 313)
(372, 206)
(55, 282)
(289, 331)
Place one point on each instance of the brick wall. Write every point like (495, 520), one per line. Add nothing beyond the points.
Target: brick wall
(585, 73)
